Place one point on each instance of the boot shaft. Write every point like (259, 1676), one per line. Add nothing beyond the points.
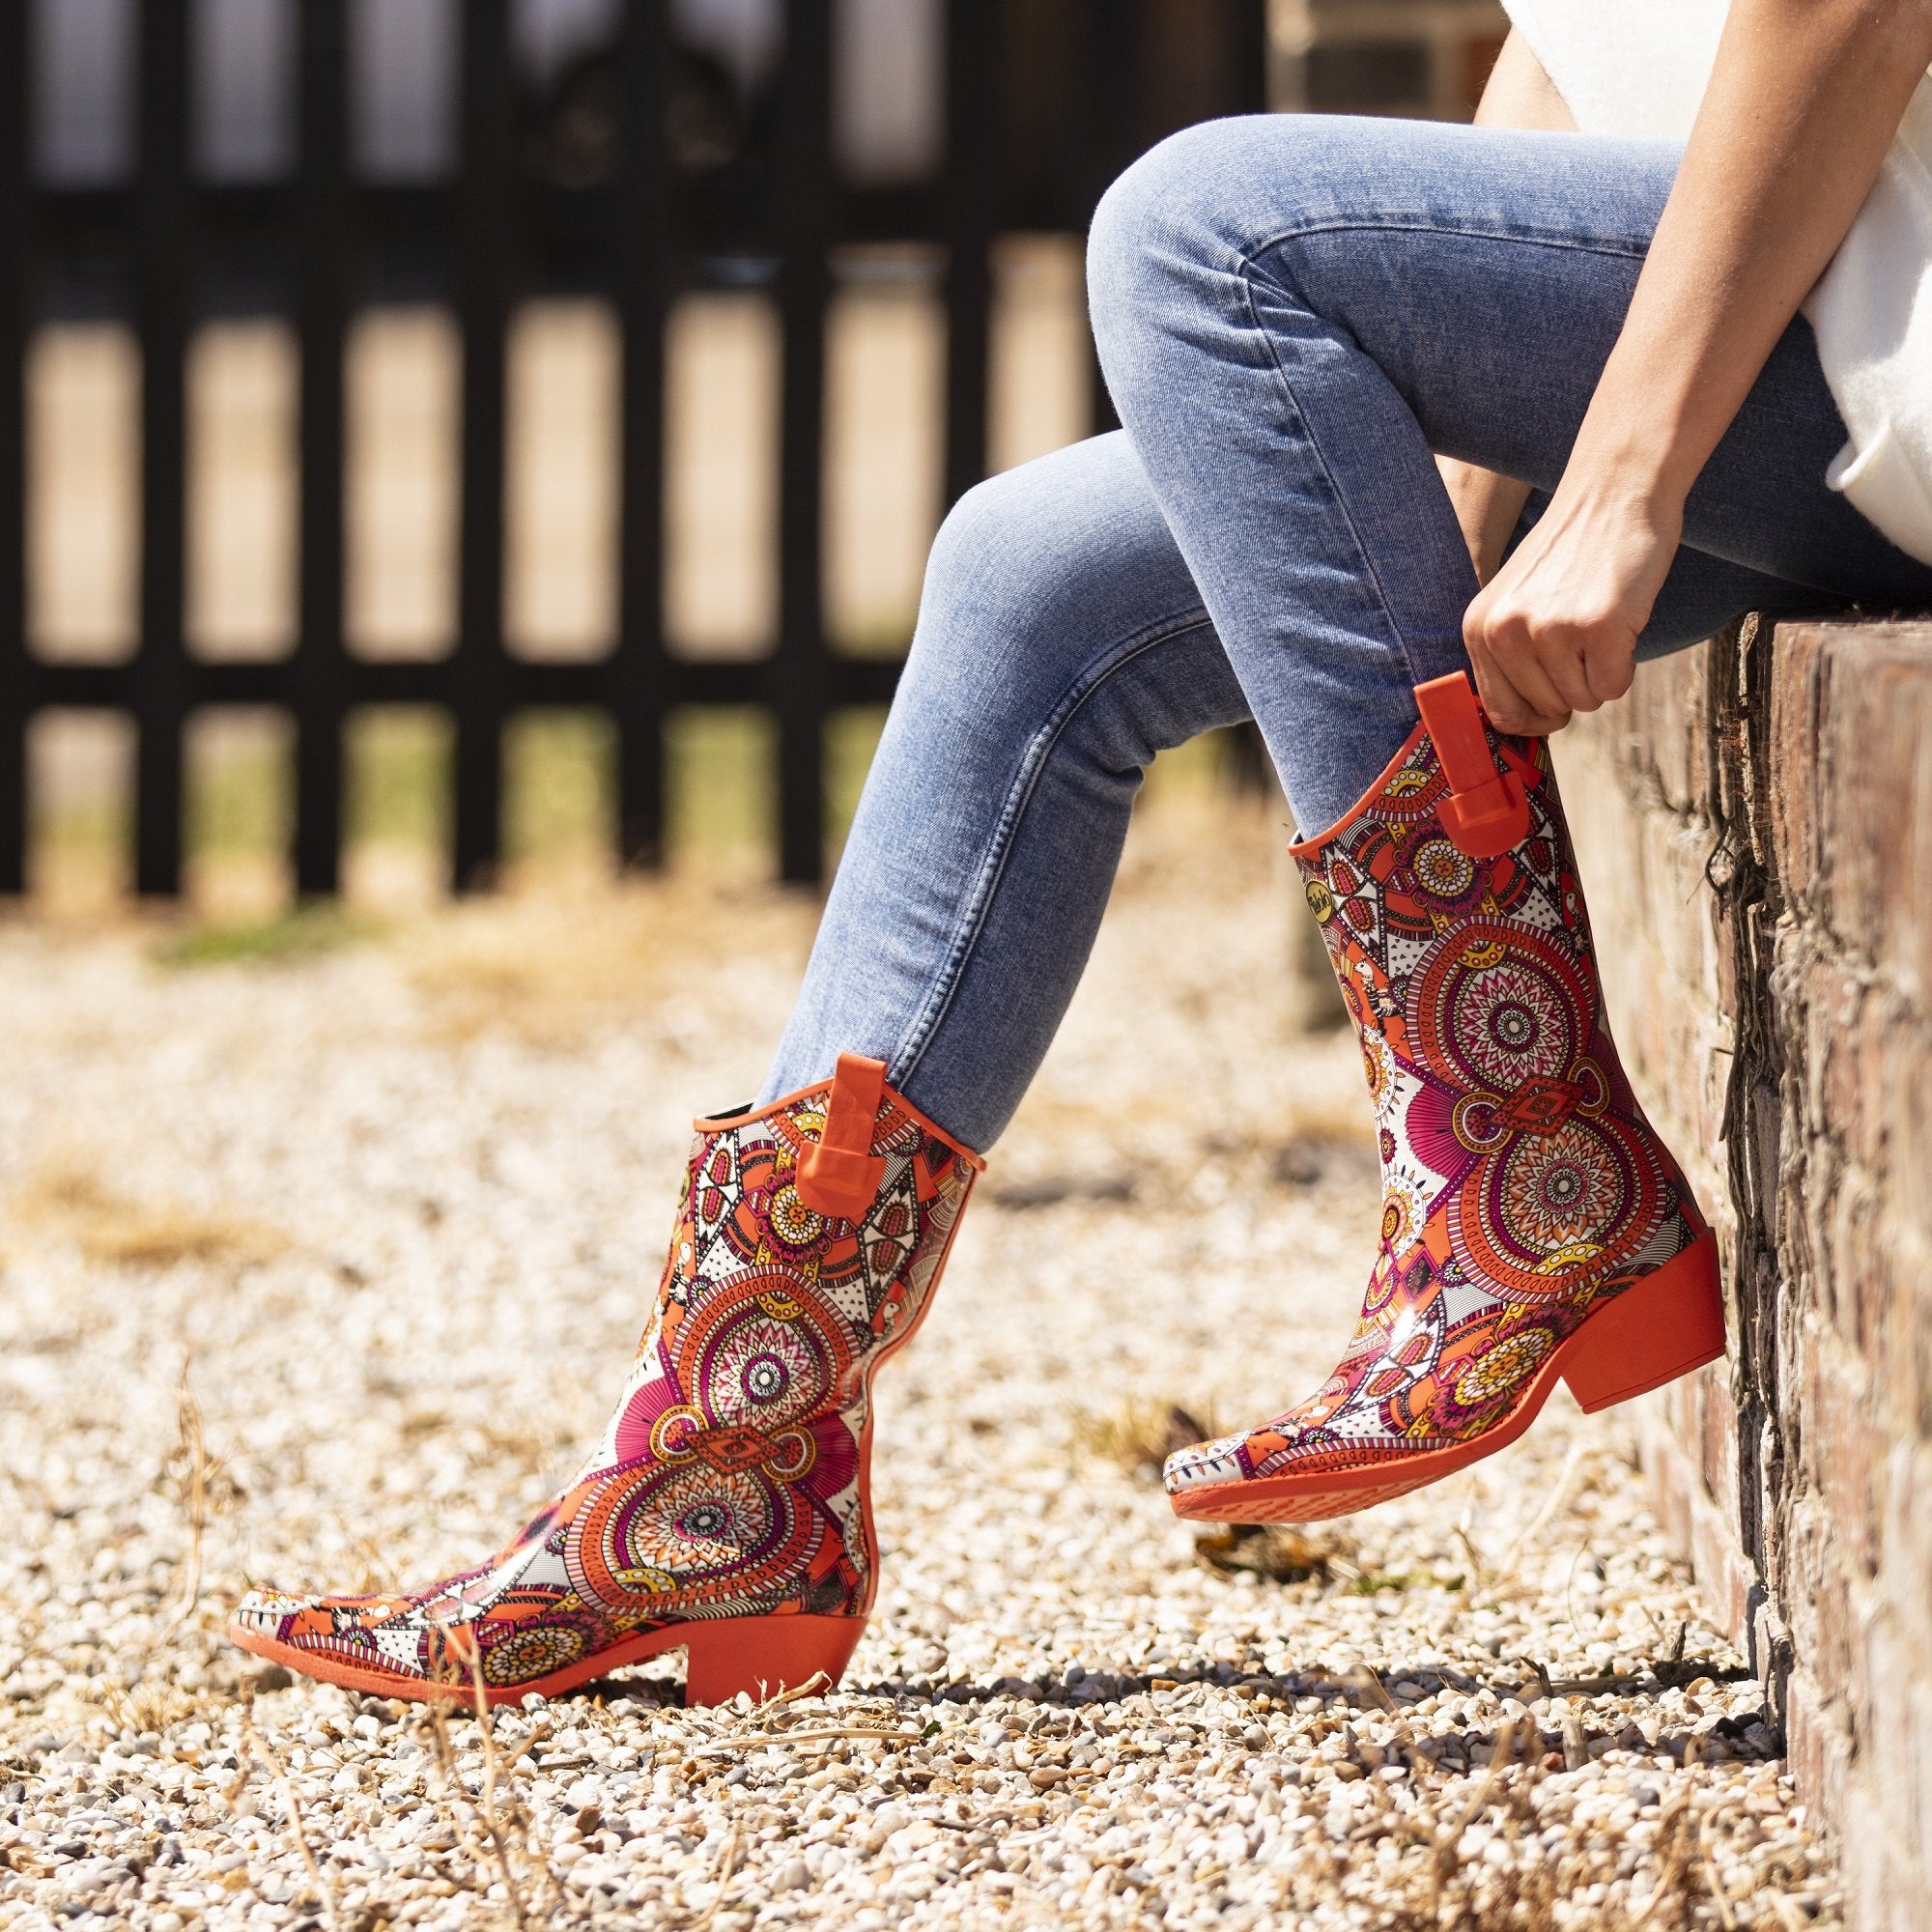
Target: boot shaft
(773, 1303)
(1471, 976)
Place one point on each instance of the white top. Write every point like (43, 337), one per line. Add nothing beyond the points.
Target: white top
(1639, 67)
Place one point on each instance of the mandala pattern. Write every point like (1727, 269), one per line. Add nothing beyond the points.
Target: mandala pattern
(728, 1480)
(1522, 1187)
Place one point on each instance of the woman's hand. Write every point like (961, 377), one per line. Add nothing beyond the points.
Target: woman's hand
(1554, 631)
(1802, 101)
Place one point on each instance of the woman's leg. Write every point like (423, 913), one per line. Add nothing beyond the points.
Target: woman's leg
(1061, 644)
(1295, 312)
(724, 1510)
(1293, 315)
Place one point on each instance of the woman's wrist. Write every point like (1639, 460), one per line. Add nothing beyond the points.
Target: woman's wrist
(1640, 473)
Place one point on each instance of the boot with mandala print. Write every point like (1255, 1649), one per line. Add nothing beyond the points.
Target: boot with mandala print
(1534, 1227)
(725, 1510)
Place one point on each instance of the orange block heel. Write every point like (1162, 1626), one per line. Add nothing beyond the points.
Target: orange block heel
(1662, 1327)
(764, 1656)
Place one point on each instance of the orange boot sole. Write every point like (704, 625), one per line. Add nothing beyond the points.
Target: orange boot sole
(762, 1656)
(1663, 1326)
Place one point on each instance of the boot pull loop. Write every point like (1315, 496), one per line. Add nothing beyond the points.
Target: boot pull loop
(1485, 811)
(839, 1176)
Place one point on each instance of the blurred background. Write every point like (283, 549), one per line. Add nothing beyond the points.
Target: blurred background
(441, 439)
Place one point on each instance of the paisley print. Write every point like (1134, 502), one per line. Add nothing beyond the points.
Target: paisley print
(1522, 1186)
(726, 1482)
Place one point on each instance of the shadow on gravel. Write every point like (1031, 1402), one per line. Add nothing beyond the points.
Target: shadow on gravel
(1751, 1737)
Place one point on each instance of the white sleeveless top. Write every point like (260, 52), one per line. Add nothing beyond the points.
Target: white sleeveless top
(1639, 67)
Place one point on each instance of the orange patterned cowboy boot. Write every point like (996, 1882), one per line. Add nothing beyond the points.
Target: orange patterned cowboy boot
(1534, 1227)
(726, 1509)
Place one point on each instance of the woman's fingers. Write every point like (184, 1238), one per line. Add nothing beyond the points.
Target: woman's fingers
(1610, 665)
(1507, 707)
(1554, 631)
(1512, 649)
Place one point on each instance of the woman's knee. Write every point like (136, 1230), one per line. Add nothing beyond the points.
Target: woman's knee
(1191, 219)
(1037, 572)
(1193, 203)
(1152, 217)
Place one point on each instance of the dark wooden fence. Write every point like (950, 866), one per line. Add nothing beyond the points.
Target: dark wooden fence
(1045, 100)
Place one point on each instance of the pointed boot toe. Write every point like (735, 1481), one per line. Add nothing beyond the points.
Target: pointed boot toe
(726, 1509)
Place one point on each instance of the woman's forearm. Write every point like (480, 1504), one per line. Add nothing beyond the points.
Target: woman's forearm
(1803, 102)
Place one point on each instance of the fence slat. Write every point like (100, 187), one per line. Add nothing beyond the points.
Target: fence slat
(578, 682)
(479, 239)
(322, 311)
(164, 280)
(1246, 79)
(642, 247)
(486, 223)
(972, 144)
(802, 219)
(1113, 32)
(15, 280)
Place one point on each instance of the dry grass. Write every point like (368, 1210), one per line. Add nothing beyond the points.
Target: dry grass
(258, 1749)
(495, 1819)
(203, 1485)
(1142, 1433)
(67, 1198)
(553, 969)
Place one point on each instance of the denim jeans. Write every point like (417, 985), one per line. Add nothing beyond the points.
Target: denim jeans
(1292, 313)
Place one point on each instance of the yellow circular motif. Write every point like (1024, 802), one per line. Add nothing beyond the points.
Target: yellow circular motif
(1501, 1367)
(645, 1581)
(797, 1452)
(1465, 1134)
(684, 1419)
(791, 1220)
(1573, 1256)
(1478, 957)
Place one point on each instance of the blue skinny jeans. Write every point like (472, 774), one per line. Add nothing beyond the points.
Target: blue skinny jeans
(1293, 313)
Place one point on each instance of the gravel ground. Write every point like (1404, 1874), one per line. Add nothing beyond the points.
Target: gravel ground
(321, 1270)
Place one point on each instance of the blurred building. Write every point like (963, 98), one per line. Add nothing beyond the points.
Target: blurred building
(1427, 59)
(888, 112)
(1421, 57)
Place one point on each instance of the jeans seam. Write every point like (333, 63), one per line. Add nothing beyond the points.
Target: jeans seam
(1427, 225)
(1247, 275)
(946, 984)
(1249, 272)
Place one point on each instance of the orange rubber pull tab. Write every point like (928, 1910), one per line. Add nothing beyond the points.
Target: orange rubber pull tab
(1485, 813)
(839, 1176)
